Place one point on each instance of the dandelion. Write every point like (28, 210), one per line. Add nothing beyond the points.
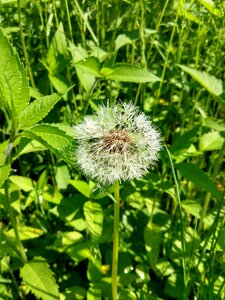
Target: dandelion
(117, 143)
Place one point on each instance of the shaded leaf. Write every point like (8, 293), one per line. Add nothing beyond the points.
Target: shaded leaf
(94, 217)
(194, 174)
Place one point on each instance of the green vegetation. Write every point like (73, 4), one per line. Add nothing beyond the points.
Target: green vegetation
(60, 60)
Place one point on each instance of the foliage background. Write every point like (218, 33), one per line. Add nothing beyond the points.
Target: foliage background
(172, 221)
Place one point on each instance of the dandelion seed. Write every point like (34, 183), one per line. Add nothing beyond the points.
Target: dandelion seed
(117, 143)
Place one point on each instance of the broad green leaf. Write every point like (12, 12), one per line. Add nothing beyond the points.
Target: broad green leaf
(126, 38)
(153, 239)
(24, 183)
(62, 176)
(57, 56)
(210, 5)
(213, 124)
(211, 141)
(194, 174)
(37, 110)
(64, 240)
(129, 73)
(82, 187)
(212, 84)
(26, 232)
(94, 294)
(39, 279)
(14, 88)
(184, 141)
(29, 145)
(192, 207)
(90, 65)
(94, 217)
(4, 173)
(55, 138)
(94, 272)
(80, 251)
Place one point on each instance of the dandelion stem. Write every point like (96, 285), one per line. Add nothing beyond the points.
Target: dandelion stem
(115, 239)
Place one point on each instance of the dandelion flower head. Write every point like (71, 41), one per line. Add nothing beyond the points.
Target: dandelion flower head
(117, 143)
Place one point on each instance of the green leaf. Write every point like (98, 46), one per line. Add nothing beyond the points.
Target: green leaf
(94, 217)
(26, 232)
(82, 187)
(24, 183)
(90, 65)
(14, 88)
(213, 85)
(129, 73)
(62, 176)
(94, 294)
(80, 252)
(184, 141)
(55, 138)
(209, 4)
(27, 146)
(39, 279)
(211, 141)
(4, 173)
(94, 272)
(194, 174)
(57, 56)
(192, 207)
(37, 110)
(153, 239)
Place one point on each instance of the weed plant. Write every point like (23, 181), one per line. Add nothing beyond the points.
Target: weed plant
(168, 58)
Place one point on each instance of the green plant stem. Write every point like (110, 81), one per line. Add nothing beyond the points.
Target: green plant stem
(7, 202)
(115, 239)
(183, 243)
(26, 56)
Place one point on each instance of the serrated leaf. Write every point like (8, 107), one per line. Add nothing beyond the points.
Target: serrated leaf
(90, 65)
(212, 84)
(14, 87)
(82, 187)
(194, 174)
(211, 141)
(129, 73)
(39, 279)
(4, 173)
(37, 110)
(94, 217)
(55, 138)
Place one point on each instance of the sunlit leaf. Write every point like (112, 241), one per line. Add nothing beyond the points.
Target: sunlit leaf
(14, 88)
(39, 279)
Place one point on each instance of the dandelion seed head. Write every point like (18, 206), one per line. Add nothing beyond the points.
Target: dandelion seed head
(117, 143)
